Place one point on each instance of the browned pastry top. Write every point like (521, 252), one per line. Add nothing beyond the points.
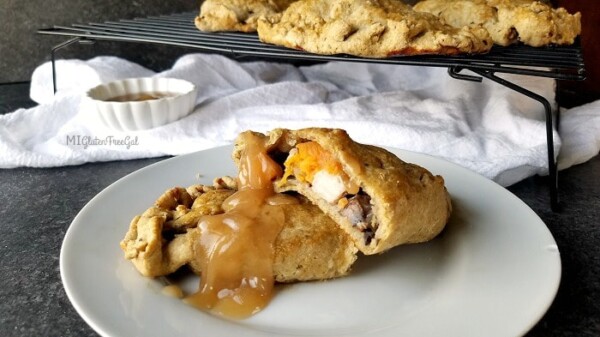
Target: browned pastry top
(368, 28)
(237, 15)
(508, 21)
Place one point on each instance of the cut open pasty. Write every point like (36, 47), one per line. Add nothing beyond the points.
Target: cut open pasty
(378, 199)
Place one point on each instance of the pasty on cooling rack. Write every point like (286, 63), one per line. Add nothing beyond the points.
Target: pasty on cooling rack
(531, 22)
(368, 28)
(237, 15)
(378, 199)
(310, 245)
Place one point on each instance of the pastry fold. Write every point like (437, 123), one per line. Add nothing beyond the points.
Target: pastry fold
(375, 197)
(163, 239)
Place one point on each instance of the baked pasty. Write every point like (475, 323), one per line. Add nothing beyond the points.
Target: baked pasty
(368, 28)
(310, 245)
(378, 199)
(531, 22)
(237, 15)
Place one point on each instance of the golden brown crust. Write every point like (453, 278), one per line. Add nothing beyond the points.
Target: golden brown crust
(160, 240)
(368, 28)
(236, 15)
(409, 204)
(509, 21)
(309, 247)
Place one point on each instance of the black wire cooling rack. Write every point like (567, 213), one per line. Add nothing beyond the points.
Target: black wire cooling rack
(557, 62)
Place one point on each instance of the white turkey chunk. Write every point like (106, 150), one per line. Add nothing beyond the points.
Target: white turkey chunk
(329, 186)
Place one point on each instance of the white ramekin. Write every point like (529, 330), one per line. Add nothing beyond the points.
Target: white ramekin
(141, 115)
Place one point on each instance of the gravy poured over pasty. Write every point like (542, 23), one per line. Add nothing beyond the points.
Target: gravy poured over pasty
(161, 240)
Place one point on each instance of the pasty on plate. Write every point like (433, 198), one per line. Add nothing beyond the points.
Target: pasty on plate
(531, 22)
(368, 28)
(378, 199)
(236, 15)
(161, 240)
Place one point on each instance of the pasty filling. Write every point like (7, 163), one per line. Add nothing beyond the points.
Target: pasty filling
(309, 163)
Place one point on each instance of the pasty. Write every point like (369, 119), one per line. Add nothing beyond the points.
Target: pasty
(368, 28)
(236, 15)
(310, 245)
(531, 22)
(378, 199)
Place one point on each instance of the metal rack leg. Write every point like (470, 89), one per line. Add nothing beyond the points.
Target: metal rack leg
(61, 46)
(552, 167)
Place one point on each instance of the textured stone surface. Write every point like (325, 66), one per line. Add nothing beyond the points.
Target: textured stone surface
(14, 96)
(576, 309)
(37, 206)
(22, 49)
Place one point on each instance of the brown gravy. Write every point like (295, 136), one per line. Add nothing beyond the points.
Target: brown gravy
(139, 97)
(236, 248)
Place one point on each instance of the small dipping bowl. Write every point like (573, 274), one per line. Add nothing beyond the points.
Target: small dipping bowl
(141, 103)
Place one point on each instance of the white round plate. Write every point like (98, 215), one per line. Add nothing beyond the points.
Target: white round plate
(494, 271)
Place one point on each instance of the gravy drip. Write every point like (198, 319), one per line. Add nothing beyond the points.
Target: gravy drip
(236, 248)
(140, 97)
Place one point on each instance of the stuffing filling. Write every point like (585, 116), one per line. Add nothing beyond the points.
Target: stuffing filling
(308, 162)
(360, 213)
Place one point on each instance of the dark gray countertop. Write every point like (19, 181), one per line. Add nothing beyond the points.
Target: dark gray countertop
(22, 49)
(37, 206)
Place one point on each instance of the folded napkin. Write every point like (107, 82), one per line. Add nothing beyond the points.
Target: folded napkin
(482, 126)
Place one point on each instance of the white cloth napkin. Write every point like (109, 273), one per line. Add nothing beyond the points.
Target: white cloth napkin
(482, 126)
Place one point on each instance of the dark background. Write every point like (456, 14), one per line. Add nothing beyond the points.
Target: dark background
(22, 50)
